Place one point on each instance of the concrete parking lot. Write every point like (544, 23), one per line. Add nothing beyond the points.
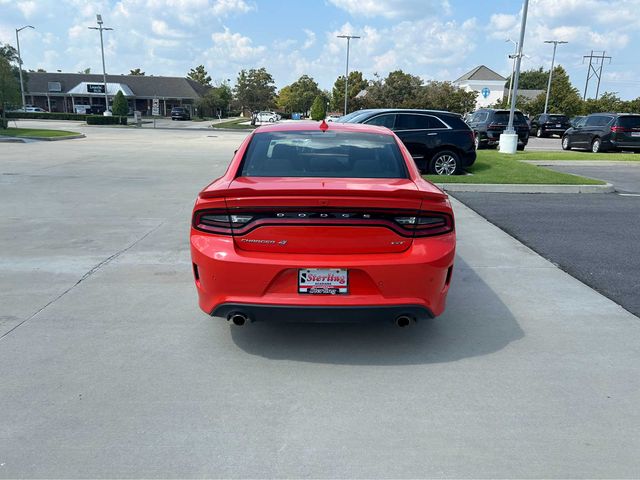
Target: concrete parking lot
(109, 369)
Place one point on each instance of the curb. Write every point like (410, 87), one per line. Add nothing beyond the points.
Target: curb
(55, 139)
(580, 163)
(44, 139)
(525, 188)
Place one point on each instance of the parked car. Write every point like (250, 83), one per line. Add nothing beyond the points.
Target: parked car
(439, 142)
(332, 118)
(30, 109)
(601, 132)
(488, 124)
(267, 117)
(324, 222)
(180, 113)
(547, 124)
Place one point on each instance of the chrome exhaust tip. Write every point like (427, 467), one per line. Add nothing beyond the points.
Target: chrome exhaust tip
(403, 321)
(238, 319)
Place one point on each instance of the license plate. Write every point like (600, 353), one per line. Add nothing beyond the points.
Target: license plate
(323, 281)
(635, 134)
(559, 125)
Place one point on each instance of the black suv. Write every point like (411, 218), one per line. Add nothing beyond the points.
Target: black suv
(547, 124)
(180, 113)
(439, 142)
(488, 124)
(600, 132)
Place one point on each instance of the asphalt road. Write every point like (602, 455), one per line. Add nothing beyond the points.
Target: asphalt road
(626, 178)
(109, 369)
(595, 238)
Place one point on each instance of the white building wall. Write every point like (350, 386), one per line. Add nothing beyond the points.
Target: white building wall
(495, 90)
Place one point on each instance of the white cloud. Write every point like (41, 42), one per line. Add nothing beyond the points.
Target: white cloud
(394, 9)
(27, 8)
(311, 39)
(235, 46)
(225, 7)
(162, 29)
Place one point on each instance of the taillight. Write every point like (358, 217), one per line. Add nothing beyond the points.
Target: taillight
(218, 221)
(617, 129)
(427, 224)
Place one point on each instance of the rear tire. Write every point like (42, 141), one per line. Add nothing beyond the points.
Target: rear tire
(596, 145)
(520, 147)
(566, 143)
(445, 162)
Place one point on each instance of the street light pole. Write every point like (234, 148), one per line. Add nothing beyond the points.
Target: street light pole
(513, 68)
(18, 30)
(553, 60)
(346, 75)
(104, 70)
(509, 139)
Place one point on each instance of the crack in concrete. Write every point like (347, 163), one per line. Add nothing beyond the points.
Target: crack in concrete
(84, 277)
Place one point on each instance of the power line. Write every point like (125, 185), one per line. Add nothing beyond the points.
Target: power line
(593, 71)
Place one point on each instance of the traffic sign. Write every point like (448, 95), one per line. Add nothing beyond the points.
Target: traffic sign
(155, 110)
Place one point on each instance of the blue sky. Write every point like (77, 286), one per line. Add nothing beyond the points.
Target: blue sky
(435, 39)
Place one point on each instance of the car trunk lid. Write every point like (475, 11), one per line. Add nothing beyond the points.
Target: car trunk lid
(324, 216)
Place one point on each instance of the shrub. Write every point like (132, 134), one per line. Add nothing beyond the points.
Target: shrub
(102, 120)
(120, 106)
(318, 108)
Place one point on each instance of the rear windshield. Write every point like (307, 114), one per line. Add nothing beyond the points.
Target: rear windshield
(350, 116)
(313, 153)
(629, 121)
(558, 118)
(503, 117)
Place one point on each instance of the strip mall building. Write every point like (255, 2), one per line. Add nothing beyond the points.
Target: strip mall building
(61, 92)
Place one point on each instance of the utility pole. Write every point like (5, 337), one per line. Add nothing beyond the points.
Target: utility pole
(593, 71)
(513, 67)
(553, 60)
(104, 70)
(18, 30)
(346, 75)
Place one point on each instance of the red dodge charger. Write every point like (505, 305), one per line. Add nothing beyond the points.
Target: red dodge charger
(322, 223)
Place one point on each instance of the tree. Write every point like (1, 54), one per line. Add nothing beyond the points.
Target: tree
(215, 101)
(534, 79)
(9, 53)
(200, 75)
(564, 97)
(9, 90)
(136, 71)
(120, 106)
(86, 71)
(446, 96)
(255, 89)
(299, 96)
(318, 110)
(357, 84)
(398, 90)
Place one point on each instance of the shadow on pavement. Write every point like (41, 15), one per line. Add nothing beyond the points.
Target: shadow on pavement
(475, 323)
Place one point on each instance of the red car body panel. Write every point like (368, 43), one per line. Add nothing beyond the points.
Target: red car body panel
(258, 266)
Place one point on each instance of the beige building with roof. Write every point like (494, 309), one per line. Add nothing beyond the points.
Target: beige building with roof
(62, 92)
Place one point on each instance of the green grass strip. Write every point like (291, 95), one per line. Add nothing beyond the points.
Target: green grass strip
(499, 168)
(35, 132)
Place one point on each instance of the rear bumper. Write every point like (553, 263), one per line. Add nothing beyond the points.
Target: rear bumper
(346, 314)
(493, 138)
(418, 278)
